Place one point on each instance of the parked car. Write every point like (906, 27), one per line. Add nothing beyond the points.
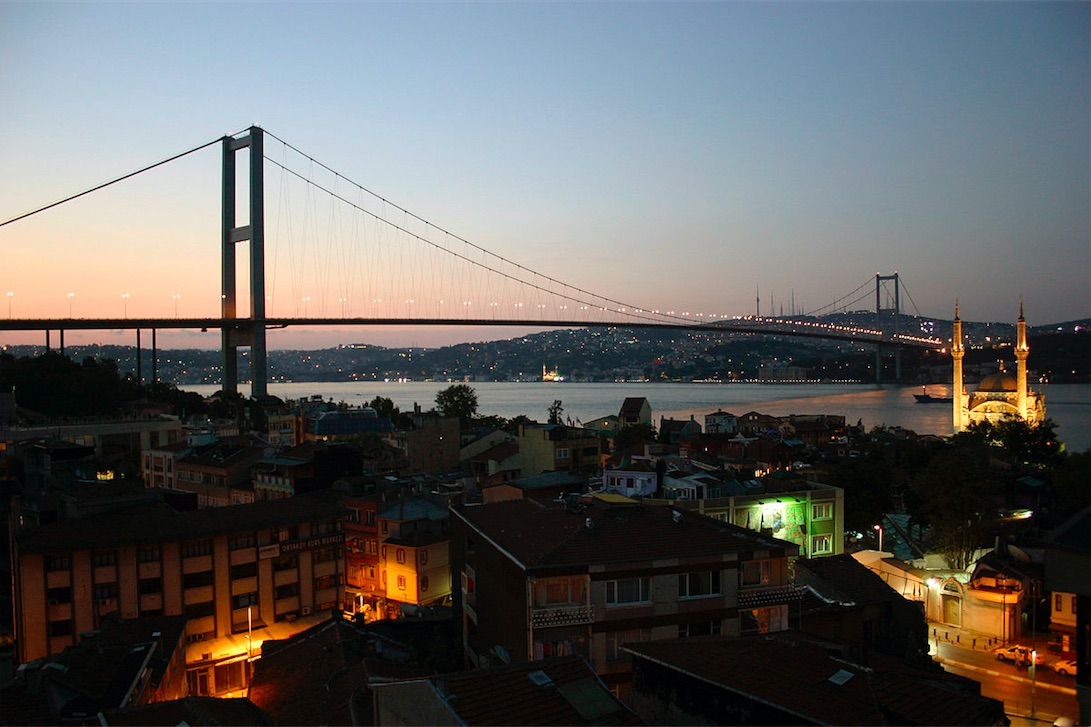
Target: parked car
(1065, 666)
(1017, 654)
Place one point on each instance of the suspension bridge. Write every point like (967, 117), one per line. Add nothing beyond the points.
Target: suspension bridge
(358, 259)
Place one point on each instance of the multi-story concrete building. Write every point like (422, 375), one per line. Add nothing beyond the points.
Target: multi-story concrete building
(539, 579)
(237, 573)
(550, 447)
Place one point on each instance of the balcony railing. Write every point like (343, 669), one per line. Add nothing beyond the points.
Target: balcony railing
(568, 615)
(763, 596)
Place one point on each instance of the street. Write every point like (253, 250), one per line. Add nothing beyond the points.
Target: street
(1046, 696)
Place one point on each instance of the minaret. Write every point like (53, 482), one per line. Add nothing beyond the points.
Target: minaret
(957, 352)
(1021, 352)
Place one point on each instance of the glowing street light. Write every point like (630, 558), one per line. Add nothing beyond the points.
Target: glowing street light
(125, 305)
(879, 529)
(10, 296)
(176, 296)
(70, 297)
(306, 300)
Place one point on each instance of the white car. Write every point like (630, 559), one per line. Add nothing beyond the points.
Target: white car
(1065, 666)
(1017, 654)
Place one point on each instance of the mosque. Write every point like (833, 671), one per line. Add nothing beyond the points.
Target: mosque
(999, 396)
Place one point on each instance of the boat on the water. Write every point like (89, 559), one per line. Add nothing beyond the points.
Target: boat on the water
(925, 398)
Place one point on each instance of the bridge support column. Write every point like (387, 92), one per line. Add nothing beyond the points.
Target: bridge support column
(252, 333)
(894, 313)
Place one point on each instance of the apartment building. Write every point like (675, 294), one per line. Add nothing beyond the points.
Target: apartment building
(239, 574)
(539, 579)
(549, 447)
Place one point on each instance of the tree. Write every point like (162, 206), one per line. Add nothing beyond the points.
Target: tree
(866, 482)
(458, 400)
(956, 498)
(555, 412)
(634, 434)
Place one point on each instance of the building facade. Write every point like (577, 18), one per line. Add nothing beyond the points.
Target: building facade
(235, 573)
(539, 579)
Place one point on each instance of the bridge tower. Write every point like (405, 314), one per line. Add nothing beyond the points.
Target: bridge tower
(252, 332)
(892, 329)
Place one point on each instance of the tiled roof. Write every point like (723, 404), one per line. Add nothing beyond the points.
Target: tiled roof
(549, 534)
(559, 691)
(310, 678)
(846, 579)
(159, 523)
(856, 695)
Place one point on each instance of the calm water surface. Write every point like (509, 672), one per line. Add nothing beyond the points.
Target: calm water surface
(1069, 405)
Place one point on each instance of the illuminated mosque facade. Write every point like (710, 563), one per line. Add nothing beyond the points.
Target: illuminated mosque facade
(999, 396)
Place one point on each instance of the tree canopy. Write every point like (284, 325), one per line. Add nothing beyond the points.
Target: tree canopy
(458, 400)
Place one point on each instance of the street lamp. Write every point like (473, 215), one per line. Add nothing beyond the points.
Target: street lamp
(1033, 680)
(879, 529)
(10, 296)
(306, 300)
(125, 305)
(70, 297)
(175, 297)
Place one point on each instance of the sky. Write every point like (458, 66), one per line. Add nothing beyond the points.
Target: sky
(667, 154)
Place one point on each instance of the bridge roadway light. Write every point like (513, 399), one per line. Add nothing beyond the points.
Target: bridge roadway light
(11, 295)
(124, 305)
(175, 297)
(70, 297)
(306, 299)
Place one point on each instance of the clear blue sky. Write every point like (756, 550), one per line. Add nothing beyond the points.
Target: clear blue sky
(668, 154)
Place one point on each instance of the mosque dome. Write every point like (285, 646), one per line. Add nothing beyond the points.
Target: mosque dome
(998, 382)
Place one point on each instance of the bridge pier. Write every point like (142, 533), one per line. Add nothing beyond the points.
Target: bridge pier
(251, 334)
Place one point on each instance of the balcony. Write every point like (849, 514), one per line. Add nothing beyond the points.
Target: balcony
(764, 596)
(562, 615)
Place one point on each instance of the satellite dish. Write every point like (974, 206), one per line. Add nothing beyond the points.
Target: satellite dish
(1018, 554)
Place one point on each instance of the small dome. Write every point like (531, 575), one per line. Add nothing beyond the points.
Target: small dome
(998, 382)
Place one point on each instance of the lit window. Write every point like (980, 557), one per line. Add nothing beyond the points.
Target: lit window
(822, 511)
(401, 583)
(821, 544)
(702, 583)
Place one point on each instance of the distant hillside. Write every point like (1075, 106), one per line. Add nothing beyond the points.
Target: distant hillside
(1059, 352)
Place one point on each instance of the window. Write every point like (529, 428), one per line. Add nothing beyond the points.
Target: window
(149, 586)
(401, 583)
(701, 583)
(324, 555)
(194, 548)
(105, 591)
(1073, 603)
(283, 535)
(615, 639)
(59, 595)
(57, 561)
(369, 518)
(354, 515)
(424, 583)
(200, 610)
(562, 453)
(330, 581)
(700, 628)
(244, 570)
(243, 600)
(102, 558)
(822, 511)
(401, 555)
(424, 557)
(245, 540)
(1058, 602)
(286, 562)
(60, 628)
(197, 580)
(628, 590)
(148, 554)
(755, 573)
(287, 590)
(821, 544)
